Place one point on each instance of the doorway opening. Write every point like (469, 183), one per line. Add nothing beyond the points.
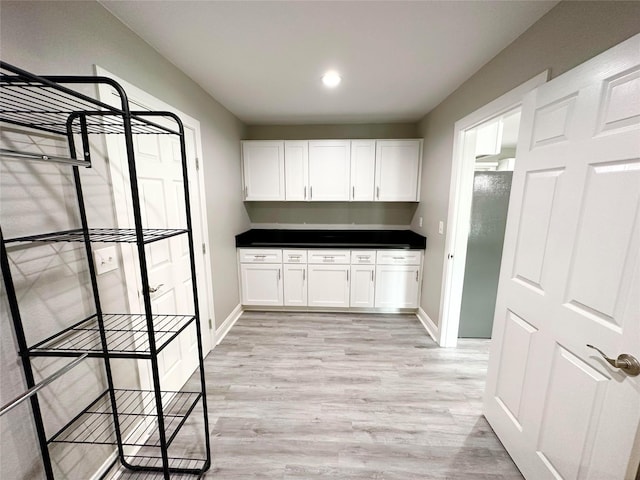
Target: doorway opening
(478, 144)
(495, 157)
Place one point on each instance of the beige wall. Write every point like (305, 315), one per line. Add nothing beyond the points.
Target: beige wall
(568, 35)
(68, 38)
(331, 214)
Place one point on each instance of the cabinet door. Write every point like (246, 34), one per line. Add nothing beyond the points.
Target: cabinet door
(296, 165)
(397, 286)
(398, 165)
(362, 286)
(261, 284)
(363, 162)
(263, 170)
(328, 285)
(295, 285)
(329, 170)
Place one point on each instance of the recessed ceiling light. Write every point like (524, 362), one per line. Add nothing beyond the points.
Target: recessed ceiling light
(331, 79)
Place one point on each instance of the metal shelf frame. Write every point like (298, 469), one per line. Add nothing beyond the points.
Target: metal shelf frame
(126, 336)
(51, 104)
(103, 235)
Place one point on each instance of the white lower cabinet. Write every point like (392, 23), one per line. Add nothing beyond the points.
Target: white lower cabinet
(261, 284)
(362, 286)
(295, 285)
(397, 286)
(337, 278)
(328, 286)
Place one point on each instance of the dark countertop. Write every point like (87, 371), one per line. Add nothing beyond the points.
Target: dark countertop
(372, 239)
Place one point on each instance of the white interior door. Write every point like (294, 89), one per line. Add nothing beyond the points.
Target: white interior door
(571, 276)
(161, 188)
(160, 183)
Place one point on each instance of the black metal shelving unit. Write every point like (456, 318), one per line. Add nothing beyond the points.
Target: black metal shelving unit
(147, 420)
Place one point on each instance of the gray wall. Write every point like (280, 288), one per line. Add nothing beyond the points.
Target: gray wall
(568, 35)
(331, 214)
(68, 38)
(314, 132)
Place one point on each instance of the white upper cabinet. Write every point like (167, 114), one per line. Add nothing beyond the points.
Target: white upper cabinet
(329, 170)
(296, 169)
(332, 170)
(363, 164)
(489, 138)
(263, 170)
(398, 166)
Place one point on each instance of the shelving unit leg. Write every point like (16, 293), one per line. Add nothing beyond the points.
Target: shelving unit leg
(91, 266)
(26, 361)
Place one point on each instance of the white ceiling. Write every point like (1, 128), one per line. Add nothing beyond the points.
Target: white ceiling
(263, 59)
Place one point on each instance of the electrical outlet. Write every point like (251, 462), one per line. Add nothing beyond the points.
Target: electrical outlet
(105, 260)
(420, 222)
(441, 227)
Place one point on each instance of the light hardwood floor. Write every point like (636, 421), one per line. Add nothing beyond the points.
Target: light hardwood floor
(344, 396)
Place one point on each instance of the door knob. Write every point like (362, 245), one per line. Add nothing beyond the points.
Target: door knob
(155, 289)
(626, 362)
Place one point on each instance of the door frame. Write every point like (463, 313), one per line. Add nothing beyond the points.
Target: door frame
(460, 197)
(118, 169)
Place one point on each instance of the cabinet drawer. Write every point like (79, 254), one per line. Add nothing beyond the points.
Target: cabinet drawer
(260, 255)
(339, 257)
(363, 257)
(294, 256)
(398, 257)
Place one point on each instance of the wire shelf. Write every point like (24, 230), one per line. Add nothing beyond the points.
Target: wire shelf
(187, 466)
(127, 336)
(44, 103)
(136, 416)
(102, 235)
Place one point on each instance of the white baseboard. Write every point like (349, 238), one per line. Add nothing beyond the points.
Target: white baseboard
(228, 323)
(427, 323)
(106, 466)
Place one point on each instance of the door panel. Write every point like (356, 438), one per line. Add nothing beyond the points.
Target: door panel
(552, 121)
(398, 170)
(604, 239)
(261, 284)
(516, 346)
(362, 286)
(363, 166)
(329, 170)
(328, 285)
(295, 285)
(537, 205)
(397, 286)
(263, 170)
(570, 276)
(296, 165)
(573, 403)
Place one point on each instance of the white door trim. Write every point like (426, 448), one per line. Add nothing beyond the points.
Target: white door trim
(460, 196)
(120, 189)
